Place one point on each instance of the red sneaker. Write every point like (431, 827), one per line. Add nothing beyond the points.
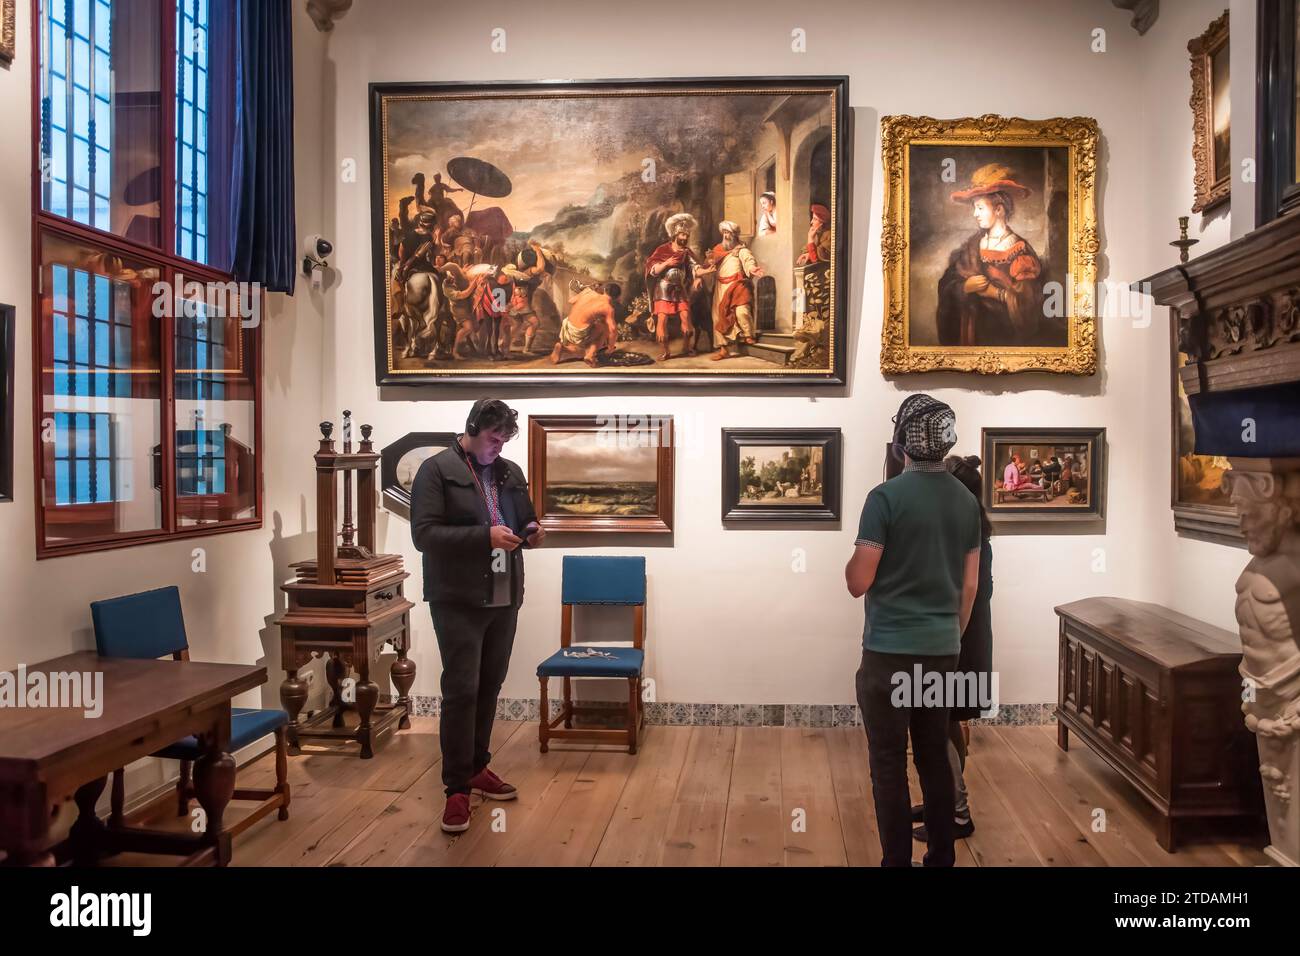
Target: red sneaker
(455, 818)
(488, 784)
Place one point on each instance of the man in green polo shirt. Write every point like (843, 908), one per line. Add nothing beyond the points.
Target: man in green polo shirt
(916, 558)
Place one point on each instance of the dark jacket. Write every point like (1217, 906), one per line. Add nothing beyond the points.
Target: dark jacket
(977, 640)
(449, 525)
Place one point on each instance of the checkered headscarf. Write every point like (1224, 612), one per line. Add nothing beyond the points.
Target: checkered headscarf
(925, 427)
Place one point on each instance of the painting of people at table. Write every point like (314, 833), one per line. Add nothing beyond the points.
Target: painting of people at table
(1042, 474)
(987, 255)
(548, 230)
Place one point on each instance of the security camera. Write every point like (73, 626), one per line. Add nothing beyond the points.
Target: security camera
(315, 251)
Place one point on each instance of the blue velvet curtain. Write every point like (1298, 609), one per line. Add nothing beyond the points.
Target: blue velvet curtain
(262, 233)
(1250, 423)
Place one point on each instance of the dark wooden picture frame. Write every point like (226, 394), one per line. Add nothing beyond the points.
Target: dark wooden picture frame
(1205, 522)
(735, 509)
(396, 495)
(1212, 190)
(812, 351)
(1277, 188)
(7, 332)
(1000, 512)
(624, 433)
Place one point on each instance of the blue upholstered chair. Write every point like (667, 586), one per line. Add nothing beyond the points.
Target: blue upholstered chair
(150, 625)
(596, 580)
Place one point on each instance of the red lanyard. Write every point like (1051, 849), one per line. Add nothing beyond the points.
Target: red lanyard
(473, 473)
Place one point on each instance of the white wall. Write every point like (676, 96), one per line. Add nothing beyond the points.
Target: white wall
(1195, 577)
(729, 621)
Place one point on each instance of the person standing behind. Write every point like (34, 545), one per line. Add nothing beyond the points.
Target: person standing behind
(916, 558)
(470, 515)
(976, 657)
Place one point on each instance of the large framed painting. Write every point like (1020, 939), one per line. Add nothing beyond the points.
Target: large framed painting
(1277, 109)
(1211, 116)
(1202, 508)
(399, 462)
(780, 475)
(990, 245)
(1045, 475)
(609, 232)
(602, 473)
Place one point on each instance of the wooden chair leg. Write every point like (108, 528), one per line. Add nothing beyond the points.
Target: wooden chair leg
(632, 696)
(282, 769)
(544, 713)
(183, 790)
(568, 703)
(119, 797)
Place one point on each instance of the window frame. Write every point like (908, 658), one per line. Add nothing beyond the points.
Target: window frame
(170, 264)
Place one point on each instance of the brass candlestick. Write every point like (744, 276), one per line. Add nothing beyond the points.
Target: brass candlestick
(1182, 243)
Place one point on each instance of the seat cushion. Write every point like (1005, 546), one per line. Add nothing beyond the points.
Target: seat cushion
(246, 726)
(622, 662)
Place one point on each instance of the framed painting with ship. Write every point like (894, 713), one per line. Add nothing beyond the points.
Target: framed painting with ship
(602, 473)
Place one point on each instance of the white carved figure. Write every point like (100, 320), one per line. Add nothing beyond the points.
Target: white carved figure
(1268, 613)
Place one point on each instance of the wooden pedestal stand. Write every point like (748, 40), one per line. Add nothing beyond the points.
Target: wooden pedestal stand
(345, 606)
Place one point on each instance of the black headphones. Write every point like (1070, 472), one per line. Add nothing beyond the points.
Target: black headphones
(472, 426)
(475, 413)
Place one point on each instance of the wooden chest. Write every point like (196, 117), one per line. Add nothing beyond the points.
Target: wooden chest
(1157, 695)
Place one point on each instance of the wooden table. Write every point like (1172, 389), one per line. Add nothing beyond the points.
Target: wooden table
(48, 755)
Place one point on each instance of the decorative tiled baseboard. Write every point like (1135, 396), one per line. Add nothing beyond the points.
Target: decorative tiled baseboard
(733, 715)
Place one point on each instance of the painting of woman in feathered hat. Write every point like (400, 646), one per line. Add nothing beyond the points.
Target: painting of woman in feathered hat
(992, 291)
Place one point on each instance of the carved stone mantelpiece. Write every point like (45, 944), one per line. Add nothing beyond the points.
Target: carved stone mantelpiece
(1266, 493)
(1238, 310)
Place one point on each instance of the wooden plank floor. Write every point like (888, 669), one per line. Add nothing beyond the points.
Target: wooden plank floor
(703, 796)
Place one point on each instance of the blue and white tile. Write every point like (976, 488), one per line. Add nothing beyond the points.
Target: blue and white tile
(844, 715)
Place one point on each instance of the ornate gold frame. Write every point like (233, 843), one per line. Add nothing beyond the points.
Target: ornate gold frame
(1209, 192)
(8, 44)
(1079, 134)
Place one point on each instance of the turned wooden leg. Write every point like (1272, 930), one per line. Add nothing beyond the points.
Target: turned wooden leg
(544, 712)
(335, 672)
(367, 697)
(84, 837)
(293, 697)
(402, 675)
(116, 816)
(183, 790)
(282, 770)
(214, 785)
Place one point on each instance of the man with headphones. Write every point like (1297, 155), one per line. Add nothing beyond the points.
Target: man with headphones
(470, 517)
(916, 561)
